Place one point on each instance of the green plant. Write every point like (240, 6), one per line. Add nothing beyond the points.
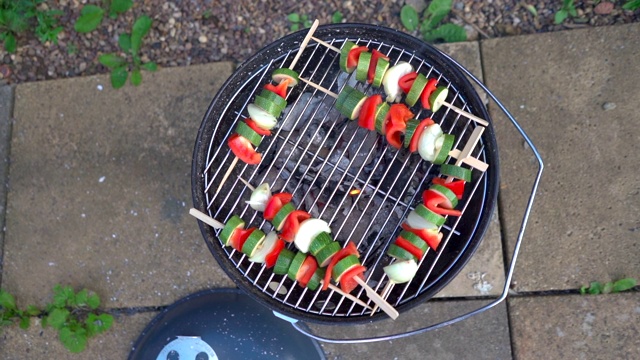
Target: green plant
(631, 5)
(597, 287)
(18, 16)
(337, 17)
(429, 24)
(91, 15)
(73, 314)
(568, 9)
(130, 44)
(298, 21)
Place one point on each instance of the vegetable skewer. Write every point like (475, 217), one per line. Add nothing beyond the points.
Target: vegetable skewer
(218, 225)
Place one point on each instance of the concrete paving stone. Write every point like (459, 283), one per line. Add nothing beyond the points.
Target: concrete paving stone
(100, 188)
(484, 274)
(576, 327)
(38, 343)
(483, 336)
(575, 93)
(6, 114)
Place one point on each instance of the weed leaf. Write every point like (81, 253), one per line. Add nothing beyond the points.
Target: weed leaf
(136, 77)
(81, 297)
(294, 17)
(150, 66)
(595, 288)
(32, 310)
(435, 13)
(94, 300)
(74, 341)
(10, 43)
(140, 28)
(624, 284)
(119, 78)
(561, 16)
(90, 17)
(631, 5)
(25, 322)
(125, 42)
(119, 6)
(57, 318)
(7, 301)
(336, 18)
(111, 60)
(97, 324)
(409, 17)
(447, 32)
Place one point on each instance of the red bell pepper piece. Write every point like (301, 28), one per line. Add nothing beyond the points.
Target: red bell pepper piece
(367, 117)
(348, 282)
(406, 81)
(375, 55)
(434, 201)
(431, 236)
(271, 257)
(354, 56)
(405, 244)
(292, 224)
(308, 267)
(413, 145)
(428, 90)
(280, 89)
(243, 149)
(350, 249)
(252, 124)
(274, 204)
(396, 125)
(457, 186)
(239, 237)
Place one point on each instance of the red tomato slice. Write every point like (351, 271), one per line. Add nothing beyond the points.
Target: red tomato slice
(428, 90)
(348, 282)
(309, 266)
(271, 257)
(413, 145)
(406, 81)
(354, 56)
(375, 55)
(350, 249)
(280, 89)
(457, 186)
(239, 237)
(244, 150)
(292, 224)
(274, 204)
(405, 244)
(431, 237)
(396, 125)
(252, 124)
(433, 201)
(367, 117)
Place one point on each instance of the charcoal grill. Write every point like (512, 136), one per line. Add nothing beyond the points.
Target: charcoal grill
(344, 174)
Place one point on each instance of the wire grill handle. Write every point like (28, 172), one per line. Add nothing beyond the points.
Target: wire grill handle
(509, 275)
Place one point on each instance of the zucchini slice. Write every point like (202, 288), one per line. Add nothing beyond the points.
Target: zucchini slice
(455, 171)
(443, 148)
(363, 66)
(283, 262)
(447, 193)
(416, 89)
(343, 266)
(326, 253)
(352, 104)
(273, 97)
(285, 73)
(315, 280)
(261, 117)
(437, 98)
(412, 125)
(269, 106)
(232, 224)
(296, 264)
(253, 243)
(399, 253)
(248, 133)
(281, 216)
(381, 68)
(308, 230)
(381, 117)
(436, 219)
(344, 55)
(321, 240)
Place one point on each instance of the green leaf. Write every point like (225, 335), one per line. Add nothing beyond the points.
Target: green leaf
(532, 10)
(409, 17)
(62, 295)
(607, 288)
(560, 16)
(294, 17)
(435, 13)
(631, 5)
(93, 301)
(90, 17)
(25, 322)
(140, 28)
(33, 311)
(447, 32)
(111, 60)
(57, 318)
(74, 341)
(595, 288)
(7, 301)
(624, 284)
(10, 43)
(337, 16)
(150, 66)
(97, 324)
(136, 77)
(118, 79)
(119, 7)
(124, 40)
(584, 289)
(81, 297)
(295, 27)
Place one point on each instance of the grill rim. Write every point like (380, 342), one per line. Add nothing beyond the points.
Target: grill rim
(291, 43)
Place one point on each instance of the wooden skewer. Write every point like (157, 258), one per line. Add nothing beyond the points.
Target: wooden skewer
(326, 44)
(382, 303)
(226, 175)
(384, 294)
(206, 218)
(246, 183)
(316, 86)
(466, 114)
(347, 295)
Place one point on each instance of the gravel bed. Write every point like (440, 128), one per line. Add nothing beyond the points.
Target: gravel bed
(188, 32)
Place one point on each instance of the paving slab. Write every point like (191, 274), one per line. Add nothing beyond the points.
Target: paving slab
(6, 115)
(39, 343)
(576, 327)
(100, 188)
(484, 273)
(484, 336)
(575, 93)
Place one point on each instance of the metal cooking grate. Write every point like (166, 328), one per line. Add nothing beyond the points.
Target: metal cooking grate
(343, 174)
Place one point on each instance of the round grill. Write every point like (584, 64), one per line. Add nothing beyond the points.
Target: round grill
(340, 172)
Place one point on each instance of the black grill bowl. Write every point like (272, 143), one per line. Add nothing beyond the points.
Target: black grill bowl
(437, 269)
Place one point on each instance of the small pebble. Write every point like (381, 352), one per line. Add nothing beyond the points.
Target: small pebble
(608, 106)
(203, 39)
